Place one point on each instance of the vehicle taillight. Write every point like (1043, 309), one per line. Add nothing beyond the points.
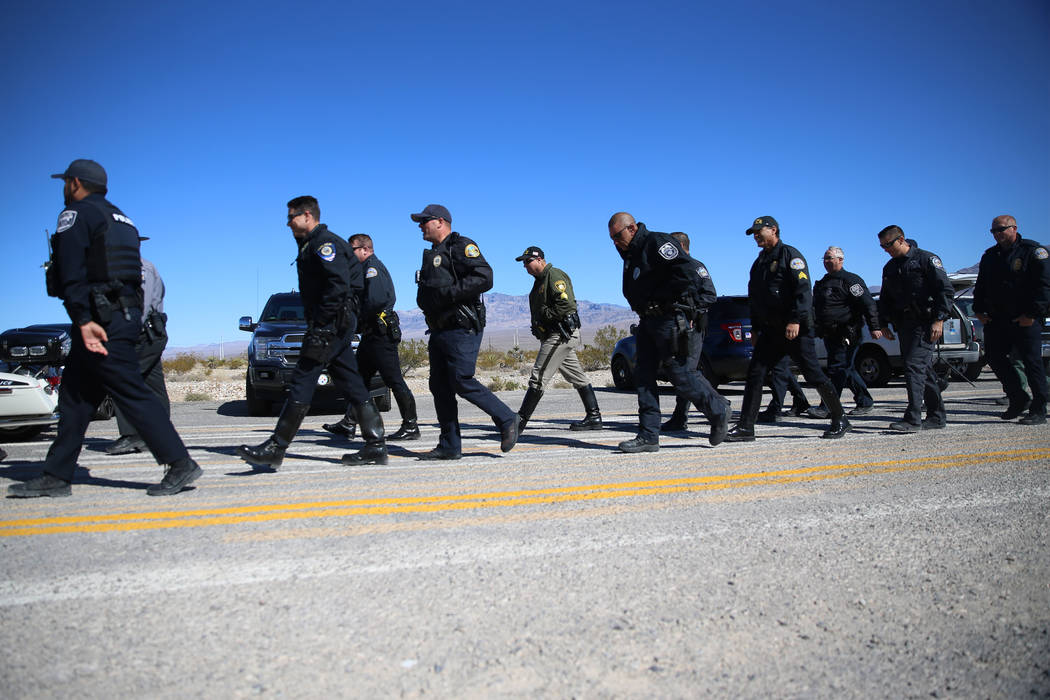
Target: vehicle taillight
(54, 381)
(735, 331)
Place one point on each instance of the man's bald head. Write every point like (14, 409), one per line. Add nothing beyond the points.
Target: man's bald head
(622, 228)
(619, 220)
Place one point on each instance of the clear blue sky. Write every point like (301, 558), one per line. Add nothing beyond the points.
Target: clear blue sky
(532, 122)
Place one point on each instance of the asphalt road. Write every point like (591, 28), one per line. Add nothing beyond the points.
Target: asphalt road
(880, 565)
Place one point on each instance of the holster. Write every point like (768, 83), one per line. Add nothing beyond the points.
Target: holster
(316, 344)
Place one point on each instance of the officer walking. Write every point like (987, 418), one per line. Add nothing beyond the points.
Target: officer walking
(916, 298)
(330, 284)
(1011, 299)
(96, 270)
(380, 330)
(451, 281)
(657, 275)
(556, 324)
(782, 312)
(700, 297)
(842, 303)
(150, 348)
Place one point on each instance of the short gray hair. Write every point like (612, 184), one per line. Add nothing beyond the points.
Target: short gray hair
(835, 252)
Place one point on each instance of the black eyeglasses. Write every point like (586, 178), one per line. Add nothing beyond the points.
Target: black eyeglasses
(890, 244)
(619, 233)
(358, 247)
(298, 213)
(1000, 229)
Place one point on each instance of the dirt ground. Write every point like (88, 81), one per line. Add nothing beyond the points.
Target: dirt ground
(228, 384)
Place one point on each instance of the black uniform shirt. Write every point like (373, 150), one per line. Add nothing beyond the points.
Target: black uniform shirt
(915, 286)
(779, 288)
(1014, 281)
(704, 293)
(454, 271)
(656, 270)
(842, 298)
(88, 233)
(379, 288)
(329, 277)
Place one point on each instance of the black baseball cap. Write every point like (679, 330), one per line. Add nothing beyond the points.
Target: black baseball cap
(530, 253)
(86, 170)
(760, 222)
(432, 211)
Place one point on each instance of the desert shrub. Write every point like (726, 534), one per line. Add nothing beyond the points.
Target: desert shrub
(495, 384)
(606, 337)
(491, 359)
(236, 362)
(413, 354)
(181, 363)
(511, 385)
(197, 396)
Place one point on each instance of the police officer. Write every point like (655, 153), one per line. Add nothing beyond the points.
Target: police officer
(556, 324)
(1011, 299)
(150, 348)
(916, 298)
(657, 275)
(96, 270)
(699, 297)
(842, 303)
(330, 283)
(782, 313)
(380, 330)
(451, 281)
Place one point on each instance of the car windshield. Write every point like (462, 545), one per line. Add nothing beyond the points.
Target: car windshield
(286, 307)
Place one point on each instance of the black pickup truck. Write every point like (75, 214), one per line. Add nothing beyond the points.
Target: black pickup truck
(273, 351)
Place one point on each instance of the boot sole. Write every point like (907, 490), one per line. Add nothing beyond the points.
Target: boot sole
(587, 427)
(253, 460)
(60, 492)
(351, 460)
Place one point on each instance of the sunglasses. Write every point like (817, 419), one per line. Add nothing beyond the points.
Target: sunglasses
(1000, 229)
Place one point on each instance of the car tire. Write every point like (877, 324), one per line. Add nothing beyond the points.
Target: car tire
(256, 406)
(622, 376)
(873, 367)
(24, 432)
(106, 410)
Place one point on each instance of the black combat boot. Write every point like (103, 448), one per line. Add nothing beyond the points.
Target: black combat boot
(528, 405)
(839, 423)
(346, 427)
(374, 451)
(677, 422)
(593, 419)
(271, 452)
(409, 429)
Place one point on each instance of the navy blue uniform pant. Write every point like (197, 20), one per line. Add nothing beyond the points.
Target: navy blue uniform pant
(919, 377)
(658, 342)
(86, 380)
(781, 380)
(453, 359)
(696, 347)
(342, 366)
(150, 350)
(843, 373)
(772, 347)
(377, 353)
(1000, 337)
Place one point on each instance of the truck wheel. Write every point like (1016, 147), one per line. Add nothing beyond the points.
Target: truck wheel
(621, 373)
(256, 406)
(873, 367)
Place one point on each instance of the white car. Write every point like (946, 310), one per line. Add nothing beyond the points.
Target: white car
(27, 405)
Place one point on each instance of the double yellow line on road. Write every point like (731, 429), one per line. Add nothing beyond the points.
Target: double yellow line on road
(449, 503)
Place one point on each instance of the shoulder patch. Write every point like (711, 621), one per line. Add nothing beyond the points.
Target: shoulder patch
(120, 218)
(560, 285)
(371, 272)
(798, 264)
(472, 251)
(668, 251)
(856, 290)
(936, 262)
(326, 252)
(1041, 253)
(65, 220)
(702, 271)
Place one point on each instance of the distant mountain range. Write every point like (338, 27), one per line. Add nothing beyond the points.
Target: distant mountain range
(507, 322)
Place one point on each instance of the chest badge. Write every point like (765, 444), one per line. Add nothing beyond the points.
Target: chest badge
(1017, 265)
(326, 252)
(472, 251)
(773, 266)
(437, 261)
(637, 271)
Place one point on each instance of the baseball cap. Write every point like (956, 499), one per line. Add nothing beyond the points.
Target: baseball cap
(86, 170)
(530, 253)
(432, 211)
(762, 221)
